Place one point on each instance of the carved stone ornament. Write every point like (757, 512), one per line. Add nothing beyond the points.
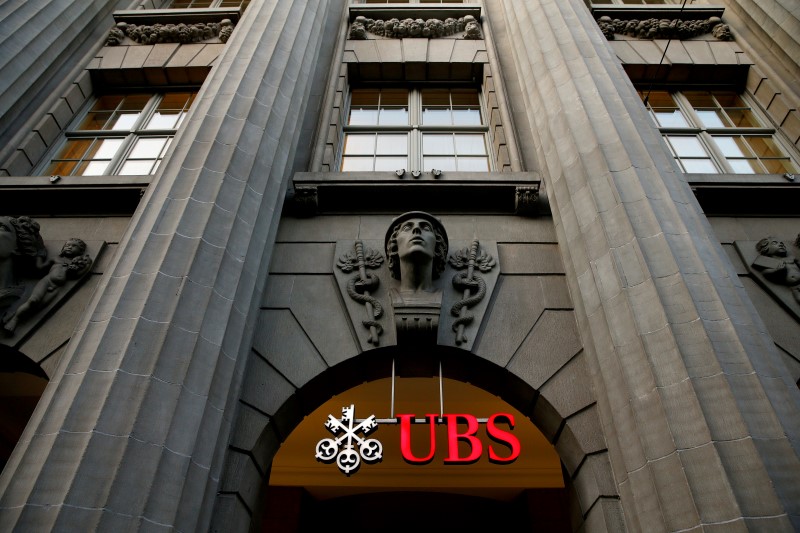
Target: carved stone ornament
(776, 267)
(400, 29)
(664, 28)
(526, 201)
(362, 283)
(33, 279)
(170, 33)
(471, 284)
(305, 200)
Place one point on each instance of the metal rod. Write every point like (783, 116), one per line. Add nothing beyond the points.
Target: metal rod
(441, 391)
(392, 410)
(394, 421)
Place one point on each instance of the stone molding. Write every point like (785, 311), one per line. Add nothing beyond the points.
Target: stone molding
(181, 33)
(466, 27)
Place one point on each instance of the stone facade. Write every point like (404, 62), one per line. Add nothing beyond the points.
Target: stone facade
(626, 323)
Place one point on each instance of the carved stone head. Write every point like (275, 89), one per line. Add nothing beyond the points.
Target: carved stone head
(771, 247)
(394, 251)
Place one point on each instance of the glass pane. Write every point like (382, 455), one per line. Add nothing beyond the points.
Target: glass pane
(763, 146)
(436, 117)
(745, 166)
(135, 168)
(713, 119)
(105, 148)
(390, 163)
(394, 97)
(778, 166)
(359, 144)
(164, 120)
(670, 119)
(686, 146)
(439, 163)
(473, 164)
(435, 97)
(177, 101)
(363, 117)
(700, 99)
(93, 168)
(466, 117)
(698, 166)
(95, 121)
(732, 146)
(393, 116)
(465, 97)
(148, 148)
(60, 168)
(75, 148)
(364, 97)
(742, 118)
(470, 144)
(437, 144)
(123, 121)
(729, 99)
(353, 164)
(392, 144)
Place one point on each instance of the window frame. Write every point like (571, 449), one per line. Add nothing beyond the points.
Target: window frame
(705, 135)
(415, 129)
(130, 136)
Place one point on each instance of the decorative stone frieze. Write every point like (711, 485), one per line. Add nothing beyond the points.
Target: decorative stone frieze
(654, 28)
(170, 33)
(402, 28)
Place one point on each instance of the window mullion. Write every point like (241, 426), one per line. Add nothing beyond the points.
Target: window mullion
(716, 154)
(116, 162)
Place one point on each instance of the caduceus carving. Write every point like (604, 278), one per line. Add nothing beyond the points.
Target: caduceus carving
(360, 285)
(473, 285)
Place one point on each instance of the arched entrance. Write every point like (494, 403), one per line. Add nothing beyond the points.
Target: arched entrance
(394, 495)
(561, 407)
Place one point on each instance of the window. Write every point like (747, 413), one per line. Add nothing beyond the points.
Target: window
(415, 129)
(193, 4)
(717, 132)
(122, 134)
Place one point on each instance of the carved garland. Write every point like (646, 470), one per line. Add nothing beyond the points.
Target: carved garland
(664, 28)
(399, 29)
(170, 33)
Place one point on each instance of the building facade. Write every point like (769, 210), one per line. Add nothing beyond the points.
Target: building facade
(569, 226)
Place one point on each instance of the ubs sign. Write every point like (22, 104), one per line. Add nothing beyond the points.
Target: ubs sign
(350, 446)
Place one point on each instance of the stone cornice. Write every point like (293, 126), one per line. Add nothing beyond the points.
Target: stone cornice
(664, 28)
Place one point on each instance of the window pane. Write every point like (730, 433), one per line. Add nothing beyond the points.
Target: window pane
(712, 119)
(439, 163)
(60, 168)
(390, 163)
(364, 97)
(437, 144)
(470, 144)
(363, 117)
(164, 120)
(148, 148)
(473, 164)
(763, 146)
(778, 166)
(354, 164)
(93, 168)
(465, 97)
(435, 97)
(106, 148)
(700, 99)
(75, 148)
(466, 117)
(124, 121)
(732, 146)
(359, 144)
(135, 168)
(698, 166)
(436, 117)
(393, 116)
(742, 118)
(392, 144)
(686, 146)
(745, 166)
(394, 97)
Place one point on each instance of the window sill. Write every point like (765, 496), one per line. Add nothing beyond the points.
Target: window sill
(746, 194)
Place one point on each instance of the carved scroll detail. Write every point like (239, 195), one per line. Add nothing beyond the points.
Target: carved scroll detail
(664, 28)
(430, 28)
(467, 282)
(360, 285)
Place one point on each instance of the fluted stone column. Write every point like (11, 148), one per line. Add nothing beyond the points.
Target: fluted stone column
(133, 430)
(701, 418)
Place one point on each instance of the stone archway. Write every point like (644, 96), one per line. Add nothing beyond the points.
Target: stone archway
(574, 432)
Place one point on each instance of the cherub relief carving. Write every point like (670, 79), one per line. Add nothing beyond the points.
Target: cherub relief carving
(72, 263)
(22, 252)
(778, 265)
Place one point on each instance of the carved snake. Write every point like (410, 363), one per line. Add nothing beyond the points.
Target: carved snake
(355, 288)
(461, 283)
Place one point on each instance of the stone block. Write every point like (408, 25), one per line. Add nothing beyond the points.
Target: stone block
(712, 493)
(62, 113)
(529, 259)
(18, 164)
(264, 388)
(303, 258)
(580, 436)
(48, 129)
(75, 98)
(606, 515)
(230, 514)
(791, 127)
(562, 396)
(242, 477)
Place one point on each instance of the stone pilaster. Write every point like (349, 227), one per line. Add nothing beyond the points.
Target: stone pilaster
(132, 432)
(700, 417)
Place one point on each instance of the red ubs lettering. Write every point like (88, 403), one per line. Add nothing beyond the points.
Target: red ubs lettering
(456, 435)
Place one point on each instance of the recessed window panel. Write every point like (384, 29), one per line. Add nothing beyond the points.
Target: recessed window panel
(390, 144)
(685, 146)
(470, 144)
(438, 144)
(473, 164)
(698, 166)
(390, 163)
(359, 144)
(356, 164)
(439, 163)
